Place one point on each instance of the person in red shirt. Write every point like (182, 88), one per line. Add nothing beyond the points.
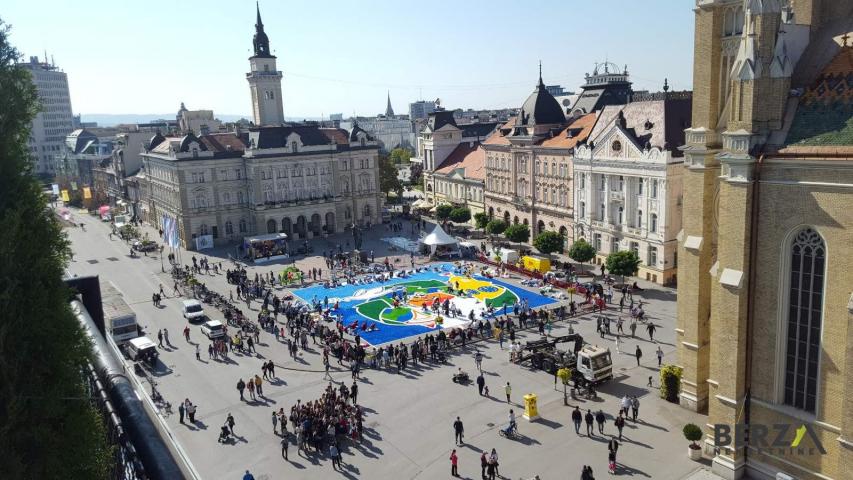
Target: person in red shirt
(454, 464)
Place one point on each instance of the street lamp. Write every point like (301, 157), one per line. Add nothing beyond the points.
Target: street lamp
(161, 260)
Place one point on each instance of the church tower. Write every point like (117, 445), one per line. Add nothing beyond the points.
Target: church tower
(264, 80)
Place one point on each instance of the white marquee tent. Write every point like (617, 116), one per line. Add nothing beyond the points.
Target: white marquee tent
(440, 240)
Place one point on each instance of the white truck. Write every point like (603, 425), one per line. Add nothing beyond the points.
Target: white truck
(119, 319)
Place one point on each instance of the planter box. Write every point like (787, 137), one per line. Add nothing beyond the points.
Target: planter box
(694, 453)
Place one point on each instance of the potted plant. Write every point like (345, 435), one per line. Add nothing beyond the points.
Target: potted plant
(693, 433)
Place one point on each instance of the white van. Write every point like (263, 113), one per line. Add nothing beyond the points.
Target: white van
(142, 349)
(213, 329)
(192, 310)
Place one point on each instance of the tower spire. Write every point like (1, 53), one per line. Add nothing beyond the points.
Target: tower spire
(261, 42)
(389, 111)
(541, 83)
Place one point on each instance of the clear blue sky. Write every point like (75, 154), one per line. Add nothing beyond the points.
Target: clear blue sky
(341, 56)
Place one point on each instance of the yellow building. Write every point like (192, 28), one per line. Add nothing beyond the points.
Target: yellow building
(765, 313)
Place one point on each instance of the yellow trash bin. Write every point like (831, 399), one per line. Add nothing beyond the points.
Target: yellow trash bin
(530, 410)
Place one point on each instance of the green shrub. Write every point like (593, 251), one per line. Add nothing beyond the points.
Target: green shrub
(670, 383)
(692, 432)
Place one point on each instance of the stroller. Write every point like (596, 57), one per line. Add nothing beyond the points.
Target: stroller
(224, 434)
(510, 431)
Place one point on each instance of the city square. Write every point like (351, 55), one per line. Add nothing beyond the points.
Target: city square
(409, 416)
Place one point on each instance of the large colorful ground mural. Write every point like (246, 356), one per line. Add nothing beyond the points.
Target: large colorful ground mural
(401, 307)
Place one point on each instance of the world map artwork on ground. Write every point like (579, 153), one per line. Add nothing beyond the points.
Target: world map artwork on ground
(396, 319)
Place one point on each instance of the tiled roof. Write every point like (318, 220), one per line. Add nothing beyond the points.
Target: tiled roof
(223, 142)
(653, 123)
(469, 156)
(500, 136)
(165, 147)
(477, 130)
(276, 137)
(337, 135)
(579, 129)
(824, 114)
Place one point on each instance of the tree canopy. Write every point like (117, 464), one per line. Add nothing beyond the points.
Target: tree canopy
(481, 219)
(581, 251)
(48, 428)
(624, 263)
(460, 215)
(400, 155)
(442, 212)
(388, 181)
(496, 226)
(517, 232)
(549, 242)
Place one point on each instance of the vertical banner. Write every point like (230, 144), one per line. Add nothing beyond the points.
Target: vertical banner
(87, 193)
(74, 186)
(65, 197)
(55, 188)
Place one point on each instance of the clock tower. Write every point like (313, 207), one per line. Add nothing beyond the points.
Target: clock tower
(264, 80)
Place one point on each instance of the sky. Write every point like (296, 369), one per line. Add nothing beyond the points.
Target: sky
(145, 57)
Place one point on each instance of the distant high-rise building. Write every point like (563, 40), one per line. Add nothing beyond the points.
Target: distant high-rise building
(556, 90)
(55, 119)
(420, 109)
(264, 80)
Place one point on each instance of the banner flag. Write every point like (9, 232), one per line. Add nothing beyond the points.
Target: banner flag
(65, 197)
(87, 193)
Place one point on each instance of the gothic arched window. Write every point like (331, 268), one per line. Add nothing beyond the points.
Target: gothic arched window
(805, 315)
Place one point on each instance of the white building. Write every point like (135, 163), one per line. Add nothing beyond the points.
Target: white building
(627, 181)
(389, 132)
(420, 109)
(199, 122)
(55, 120)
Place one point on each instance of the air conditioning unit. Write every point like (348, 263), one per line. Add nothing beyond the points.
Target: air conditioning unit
(784, 476)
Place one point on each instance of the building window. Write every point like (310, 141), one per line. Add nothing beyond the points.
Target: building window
(202, 229)
(621, 183)
(583, 180)
(805, 312)
(621, 215)
(583, 210)
(596, 241)
(242, 225)
(639, 219)
(654, 189)
(635, 247)
(229, 228)
(653, 256)
(293, 147)
(640, 187)
(653, 223)
(601, 212)
(603, 183)
(614, 245)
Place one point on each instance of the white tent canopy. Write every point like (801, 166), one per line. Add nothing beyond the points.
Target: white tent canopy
(440, 238)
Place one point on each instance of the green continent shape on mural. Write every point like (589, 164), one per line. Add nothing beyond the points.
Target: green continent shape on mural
(393, 315)
(505, 298)
(373, 308)
(422, 286)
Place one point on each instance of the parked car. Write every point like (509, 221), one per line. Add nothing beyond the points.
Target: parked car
(213, 329)
(145, 246)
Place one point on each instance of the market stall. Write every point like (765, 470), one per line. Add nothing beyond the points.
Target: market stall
(439, 243)
(265, 248)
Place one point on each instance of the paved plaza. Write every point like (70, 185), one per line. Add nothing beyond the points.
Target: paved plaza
(408, 426)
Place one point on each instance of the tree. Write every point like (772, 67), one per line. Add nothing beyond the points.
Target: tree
(460, 215)
(582, 252)
(481, 219)
(48, 428)
(415, 171)
(565, 374)
(442, 212)
(624, 263)
(388, 181)
(400, 155)
(517, 232)
(548, 242)
(496, 227)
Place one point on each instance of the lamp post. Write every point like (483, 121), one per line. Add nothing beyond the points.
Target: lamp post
(162, 269)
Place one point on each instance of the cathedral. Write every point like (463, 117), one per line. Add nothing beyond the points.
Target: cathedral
(765, 312)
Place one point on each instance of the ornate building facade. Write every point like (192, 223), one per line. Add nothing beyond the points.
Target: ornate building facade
(627, 182)
(529, 171)
(298, 179)
(765, 314)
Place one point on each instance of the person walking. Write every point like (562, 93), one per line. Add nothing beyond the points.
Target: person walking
(651, 329)
(160, 338)
(638, 353)
(459, 431)
(285, 442)
(620, 424)
(600, 419)
(181, 412)
(508, 391)
(248, 476)
(478, 361)
(481, 382)
(618, 341)
(274, 422)
(484, 463)
(635, 407)
(251, 387)
(660, 355)
(493, 462)
(197, 353)
(588, 419)
(586, 473)
(454, 464)
(241, 385)
(191, 411)
(326, 367)
(577, 417)
(187, 333)
(259, 385)
(333, 452)
(166, 337)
